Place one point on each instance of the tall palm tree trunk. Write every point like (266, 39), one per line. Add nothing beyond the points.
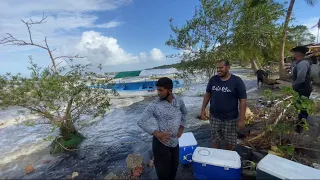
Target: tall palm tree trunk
(282, 72)
(318, 34)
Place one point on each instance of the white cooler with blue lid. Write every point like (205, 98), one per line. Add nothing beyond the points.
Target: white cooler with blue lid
(210, 163)
(275, 167)
(187, 144)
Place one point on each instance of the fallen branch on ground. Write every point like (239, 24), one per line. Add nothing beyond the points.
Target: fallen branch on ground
(309, 149)
(287, 98)
(274, 124)
(281, 114)
(250, 145)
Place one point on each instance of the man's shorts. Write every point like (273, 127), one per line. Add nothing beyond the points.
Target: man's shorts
(224, 130)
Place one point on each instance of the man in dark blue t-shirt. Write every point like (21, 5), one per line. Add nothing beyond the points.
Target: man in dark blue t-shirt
(225, 91)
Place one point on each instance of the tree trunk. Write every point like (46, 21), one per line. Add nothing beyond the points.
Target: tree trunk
(67, 130)
(254, 65)
(210, 72)
(282, 72)
(68, 140)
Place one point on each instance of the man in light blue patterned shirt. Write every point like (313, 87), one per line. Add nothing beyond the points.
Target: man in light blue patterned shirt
(170, 112)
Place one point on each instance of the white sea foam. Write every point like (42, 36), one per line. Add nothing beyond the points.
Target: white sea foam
(18, 140)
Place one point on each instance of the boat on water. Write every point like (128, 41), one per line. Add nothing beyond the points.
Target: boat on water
(141, 88)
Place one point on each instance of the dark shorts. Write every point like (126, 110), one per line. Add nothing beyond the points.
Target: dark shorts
(224, 130)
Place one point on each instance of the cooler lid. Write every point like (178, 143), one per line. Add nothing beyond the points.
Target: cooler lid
(187, 139)
(285, 169)
(217, 157)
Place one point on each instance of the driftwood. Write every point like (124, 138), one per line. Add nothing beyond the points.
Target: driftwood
(289, 97)
(275, 122)
(281, 114)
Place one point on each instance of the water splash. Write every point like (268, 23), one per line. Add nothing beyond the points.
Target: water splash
(109, 139)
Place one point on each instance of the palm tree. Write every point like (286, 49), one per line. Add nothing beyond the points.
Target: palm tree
(318, 26)
(282, 72)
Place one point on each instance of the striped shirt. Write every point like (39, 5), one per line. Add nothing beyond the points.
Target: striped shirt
(168, 116)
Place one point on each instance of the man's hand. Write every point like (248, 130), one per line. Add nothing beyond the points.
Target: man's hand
(180, 131)
(241, 124)
(243, 109)
(162, 136)
(203, 115)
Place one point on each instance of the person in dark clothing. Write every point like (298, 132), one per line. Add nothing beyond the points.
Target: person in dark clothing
(301, 79)
(227, 94)
(170, 112)
(261, 74)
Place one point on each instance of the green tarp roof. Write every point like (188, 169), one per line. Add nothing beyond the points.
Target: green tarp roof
(127, 74)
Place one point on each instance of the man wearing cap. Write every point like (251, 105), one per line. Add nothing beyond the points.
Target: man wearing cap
(301, 76)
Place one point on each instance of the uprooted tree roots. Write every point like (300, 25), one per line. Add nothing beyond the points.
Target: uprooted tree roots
(60, 144)
(278, 135)
(68, 140)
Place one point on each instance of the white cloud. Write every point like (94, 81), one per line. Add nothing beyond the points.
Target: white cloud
(156, 54)
(143, 56)
(111, 24)
(106, 50)
(64, 18)
(310, 23)
(13, 8)
(70, 28)
(57, 28)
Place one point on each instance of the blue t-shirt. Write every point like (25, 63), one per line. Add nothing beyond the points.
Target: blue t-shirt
(225, 96)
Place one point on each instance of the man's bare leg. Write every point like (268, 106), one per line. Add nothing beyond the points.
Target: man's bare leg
(230, 147)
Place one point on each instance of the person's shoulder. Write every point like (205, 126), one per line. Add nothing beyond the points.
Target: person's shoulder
(304, 62)
(238, 81)
(178, 98)
(214, 78)
(154, 102)
(236, 78)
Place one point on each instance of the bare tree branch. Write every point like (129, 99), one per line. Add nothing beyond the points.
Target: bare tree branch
(31, 22)
(9, 39)
(60, 63)
(70, 57)
(50, 54)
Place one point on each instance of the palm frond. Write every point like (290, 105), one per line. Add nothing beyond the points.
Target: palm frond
(311, 2)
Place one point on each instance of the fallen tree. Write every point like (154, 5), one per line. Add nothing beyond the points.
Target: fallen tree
(58, 94)
(60, 98)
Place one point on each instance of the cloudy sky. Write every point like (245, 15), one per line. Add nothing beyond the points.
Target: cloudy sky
(119, 34)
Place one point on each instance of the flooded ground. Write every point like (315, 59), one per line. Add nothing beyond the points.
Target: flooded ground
(108, 140)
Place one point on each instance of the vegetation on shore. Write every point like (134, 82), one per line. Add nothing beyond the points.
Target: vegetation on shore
(57, 93)
(244, 32)
(273, 126)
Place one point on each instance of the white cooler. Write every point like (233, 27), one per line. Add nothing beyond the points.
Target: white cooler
(275, 167)
(209, 163)
(187, 144)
